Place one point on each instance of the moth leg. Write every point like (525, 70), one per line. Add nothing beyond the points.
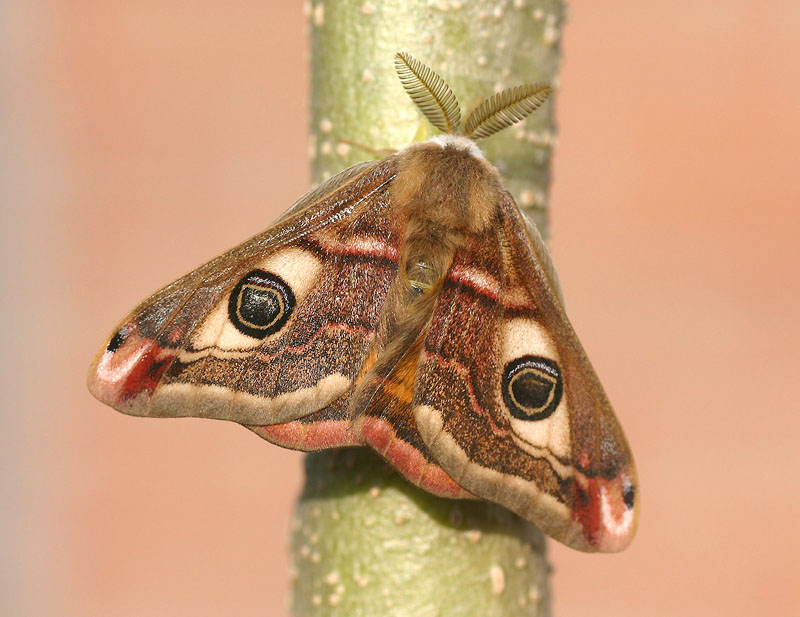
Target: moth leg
(378, 153)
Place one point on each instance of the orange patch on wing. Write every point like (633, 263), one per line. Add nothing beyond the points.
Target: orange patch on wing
(400, 386)
(369, 361)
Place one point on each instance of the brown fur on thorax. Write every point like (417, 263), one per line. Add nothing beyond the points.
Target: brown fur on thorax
(448, 187)
(444, 193)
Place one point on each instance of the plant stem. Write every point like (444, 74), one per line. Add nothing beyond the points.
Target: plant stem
(364, 541)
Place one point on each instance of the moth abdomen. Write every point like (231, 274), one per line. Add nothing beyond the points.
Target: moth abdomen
(421, 277)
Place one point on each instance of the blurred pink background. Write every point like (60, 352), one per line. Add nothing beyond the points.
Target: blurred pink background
(141, 138)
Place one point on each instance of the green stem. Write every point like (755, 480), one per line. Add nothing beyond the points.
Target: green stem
(364, 541)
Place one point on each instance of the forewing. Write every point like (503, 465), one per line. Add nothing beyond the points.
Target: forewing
(275, 329)
(508, 403)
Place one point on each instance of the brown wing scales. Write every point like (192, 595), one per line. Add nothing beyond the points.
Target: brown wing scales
(179, 354)
(503, 389)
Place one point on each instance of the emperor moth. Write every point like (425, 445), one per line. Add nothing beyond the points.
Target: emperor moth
(406, 304)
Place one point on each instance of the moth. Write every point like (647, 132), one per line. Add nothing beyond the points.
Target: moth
(406, 304)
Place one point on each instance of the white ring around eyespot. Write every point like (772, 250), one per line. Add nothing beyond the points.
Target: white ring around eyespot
(299, 268)
(526, 337)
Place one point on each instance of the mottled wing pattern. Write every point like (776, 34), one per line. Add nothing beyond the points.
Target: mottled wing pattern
(382, 402)
(507, 402)
(275, 329)
(385, 421)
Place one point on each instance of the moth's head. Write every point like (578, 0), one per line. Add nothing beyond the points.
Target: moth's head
(436, 101)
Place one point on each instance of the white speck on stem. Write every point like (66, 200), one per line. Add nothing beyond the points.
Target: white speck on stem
(550, 34)
(498, 578)
(312, 154)
(527, 198)
(333, 577)
(319, 15)
(360, 580)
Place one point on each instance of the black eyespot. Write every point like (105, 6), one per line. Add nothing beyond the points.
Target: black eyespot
(628, 497)
(532, 387)
(118, 339)
(260, 304)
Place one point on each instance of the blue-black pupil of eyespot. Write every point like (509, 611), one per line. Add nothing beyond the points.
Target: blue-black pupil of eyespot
(116, 341)
(532, 387)
(532, 390)
(259, 306)
(628, 497)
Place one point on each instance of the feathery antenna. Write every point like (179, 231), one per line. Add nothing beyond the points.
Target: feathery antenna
(504, 109)
(429, 92)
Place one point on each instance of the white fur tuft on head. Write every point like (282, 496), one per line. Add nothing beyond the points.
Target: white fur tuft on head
(459, 142)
